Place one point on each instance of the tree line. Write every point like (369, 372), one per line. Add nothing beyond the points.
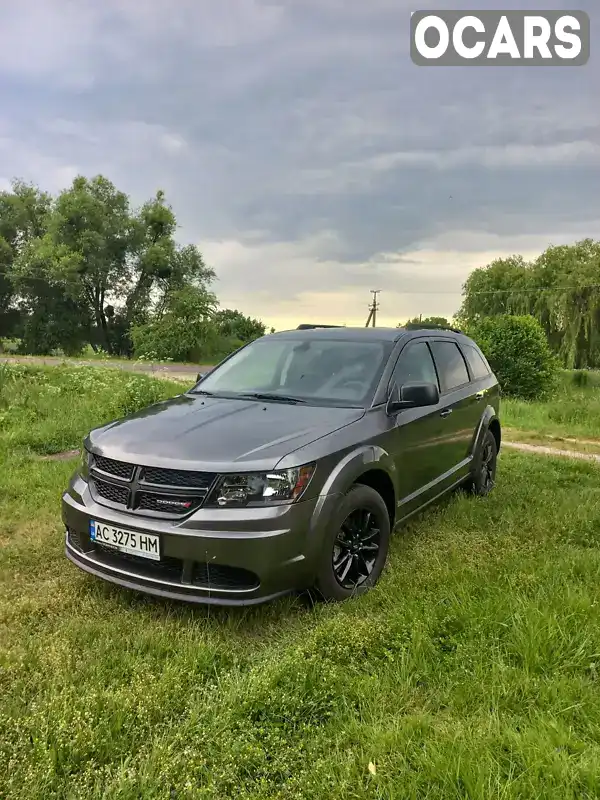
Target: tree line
(560, 289)
(85, 268)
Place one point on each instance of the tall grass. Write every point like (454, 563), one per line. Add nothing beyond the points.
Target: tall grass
(573, 410)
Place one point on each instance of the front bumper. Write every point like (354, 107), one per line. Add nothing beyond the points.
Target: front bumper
(214, 556)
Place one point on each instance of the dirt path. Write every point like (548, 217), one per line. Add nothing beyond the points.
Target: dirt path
(551, 451)
(183, 372)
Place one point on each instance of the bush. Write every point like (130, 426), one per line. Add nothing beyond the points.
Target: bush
(519, 354)
(138, 393)
(182, 332)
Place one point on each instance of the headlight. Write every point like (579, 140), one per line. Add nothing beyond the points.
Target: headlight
(266, 489)
(84, 464)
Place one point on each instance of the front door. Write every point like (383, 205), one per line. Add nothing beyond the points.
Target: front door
(417, 431)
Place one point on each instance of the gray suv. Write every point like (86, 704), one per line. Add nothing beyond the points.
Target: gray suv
(286, 467)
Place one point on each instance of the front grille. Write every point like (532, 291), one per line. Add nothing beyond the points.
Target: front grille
(80, 541)
(167, 504)
(205, 576)
(117, 468)
(147, 490)
(177, 477)
(217, 576)
(111, 492)
(167, 569)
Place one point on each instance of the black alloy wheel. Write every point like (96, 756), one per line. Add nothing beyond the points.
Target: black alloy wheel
(488, 463)
(355, 550)
(483, 477)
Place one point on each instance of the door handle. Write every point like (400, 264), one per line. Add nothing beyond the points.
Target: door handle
(446, 412)
(479, 395)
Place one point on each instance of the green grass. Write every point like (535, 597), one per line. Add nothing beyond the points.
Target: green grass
(471, 671)
(571, 411)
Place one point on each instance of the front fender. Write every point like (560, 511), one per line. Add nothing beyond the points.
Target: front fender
(343, 476)
(354, 464)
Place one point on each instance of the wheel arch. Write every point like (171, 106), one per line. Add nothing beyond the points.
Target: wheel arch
(369, 466)
(489, 421)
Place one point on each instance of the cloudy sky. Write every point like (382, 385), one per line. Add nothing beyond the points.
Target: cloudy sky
(300, 147)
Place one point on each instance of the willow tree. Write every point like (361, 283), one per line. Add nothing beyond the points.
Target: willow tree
(568, 303)
(561, 289)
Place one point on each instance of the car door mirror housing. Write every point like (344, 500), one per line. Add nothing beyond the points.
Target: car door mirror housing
(412, 395)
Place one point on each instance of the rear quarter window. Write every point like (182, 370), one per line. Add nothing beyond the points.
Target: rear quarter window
(450, 364)
(477, 365)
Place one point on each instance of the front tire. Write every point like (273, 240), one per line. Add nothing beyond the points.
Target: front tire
(483, 478)
(355, 550)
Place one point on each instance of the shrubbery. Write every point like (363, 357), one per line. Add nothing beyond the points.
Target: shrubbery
(519, 354)
(190, 329)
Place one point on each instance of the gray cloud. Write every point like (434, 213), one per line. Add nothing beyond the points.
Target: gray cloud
(296, 140)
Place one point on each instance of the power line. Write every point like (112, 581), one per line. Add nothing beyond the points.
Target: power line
(505, 291)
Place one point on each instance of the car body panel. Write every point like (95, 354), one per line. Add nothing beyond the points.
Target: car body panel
(422, 451)
(216, 434)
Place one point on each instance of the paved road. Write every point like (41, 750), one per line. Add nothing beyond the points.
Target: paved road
(175, 371)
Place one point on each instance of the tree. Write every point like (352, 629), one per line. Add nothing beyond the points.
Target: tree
(561, 289)
(232, 324)
(502, 287)
(518, 352)
(568, 300)
(101, 268)
(426, 322)
(182, 330)
(23, 217)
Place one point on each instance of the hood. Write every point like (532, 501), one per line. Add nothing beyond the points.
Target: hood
(217, 434)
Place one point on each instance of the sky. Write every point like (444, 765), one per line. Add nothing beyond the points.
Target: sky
(301, 149)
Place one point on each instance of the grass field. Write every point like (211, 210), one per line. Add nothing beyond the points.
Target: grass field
(571, 411)
(471, 671)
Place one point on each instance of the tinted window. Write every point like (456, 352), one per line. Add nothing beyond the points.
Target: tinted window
(451, 365)
(415, 364)
(476, 363)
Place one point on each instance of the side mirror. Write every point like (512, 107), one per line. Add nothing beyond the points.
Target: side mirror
(413, 395)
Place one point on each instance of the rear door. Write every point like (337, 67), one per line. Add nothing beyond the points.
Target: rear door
(459, 408)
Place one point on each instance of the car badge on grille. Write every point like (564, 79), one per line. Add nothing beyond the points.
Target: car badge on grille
(177, 503)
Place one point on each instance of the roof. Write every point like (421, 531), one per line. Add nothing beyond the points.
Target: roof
(343, 334)
(363, 334)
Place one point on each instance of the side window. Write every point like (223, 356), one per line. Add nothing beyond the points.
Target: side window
(478, 366)
(450, 364)
(415, 364)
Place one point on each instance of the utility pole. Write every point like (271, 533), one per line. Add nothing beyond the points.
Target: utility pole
(373, 308)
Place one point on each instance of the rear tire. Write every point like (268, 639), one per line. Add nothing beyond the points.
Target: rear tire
(355, 549)
(483, 478)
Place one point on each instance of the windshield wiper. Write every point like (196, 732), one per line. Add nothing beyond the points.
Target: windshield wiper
(278, 398)
(201, 391)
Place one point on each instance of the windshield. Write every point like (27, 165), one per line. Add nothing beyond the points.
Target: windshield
(320, 371)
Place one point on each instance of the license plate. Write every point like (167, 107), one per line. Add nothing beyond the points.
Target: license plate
(146, 545)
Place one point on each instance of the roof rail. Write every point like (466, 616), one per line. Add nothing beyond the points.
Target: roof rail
(423, 326)
(308, 327)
